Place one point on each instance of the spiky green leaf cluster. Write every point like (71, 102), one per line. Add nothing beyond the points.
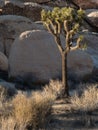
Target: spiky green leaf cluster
(80, 14)
(65, 20)
(62, 14)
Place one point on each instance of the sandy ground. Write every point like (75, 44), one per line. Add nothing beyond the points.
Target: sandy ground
(65, 119)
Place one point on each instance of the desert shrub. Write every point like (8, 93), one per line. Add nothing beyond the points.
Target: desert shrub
(32, 111)
(22, 109)
(43, 107)
(86, 103)
(26, 111)
(55, 88)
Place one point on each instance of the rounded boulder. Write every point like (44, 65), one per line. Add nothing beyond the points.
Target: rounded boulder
(34, 54)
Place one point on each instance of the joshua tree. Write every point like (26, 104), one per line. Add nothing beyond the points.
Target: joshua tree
(64, 21)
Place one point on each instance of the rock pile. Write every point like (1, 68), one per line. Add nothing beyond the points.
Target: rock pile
(29, 51)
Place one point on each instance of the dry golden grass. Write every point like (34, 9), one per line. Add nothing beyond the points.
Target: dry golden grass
(22, 109)
(5, 104)
(55, 88)
(88, 101)
(8, 124)
(33, 111)
(25, 111)
(86, 104)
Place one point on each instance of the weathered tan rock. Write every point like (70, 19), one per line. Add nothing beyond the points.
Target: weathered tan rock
(85, 4)
(93, 16)
(12, 8)
(10, 27)
(32, 11)
(28, 9)
(36, 55)
(3, 62)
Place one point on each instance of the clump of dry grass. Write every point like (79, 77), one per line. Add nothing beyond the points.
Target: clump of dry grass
(86, 103)
(5, 104)
(43, 107)
(28, 112)
(2, 96)
(55, 88)
(33, 111)
(22, 109)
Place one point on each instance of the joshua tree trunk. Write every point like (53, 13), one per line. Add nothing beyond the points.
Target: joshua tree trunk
(64, 65)
(64, 74)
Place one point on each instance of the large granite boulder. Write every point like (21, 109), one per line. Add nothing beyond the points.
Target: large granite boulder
(28, 9)
(91, 39)
(34, 54)
(10, 27)
(3, 62)
(80, 63)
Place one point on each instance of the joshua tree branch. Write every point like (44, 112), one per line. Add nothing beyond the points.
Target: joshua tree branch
(77, 45)
(58, 42)
(52, 25)
(49, 28)
(57, 37)
(58, 27)
(66, 28)
(74, 48)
